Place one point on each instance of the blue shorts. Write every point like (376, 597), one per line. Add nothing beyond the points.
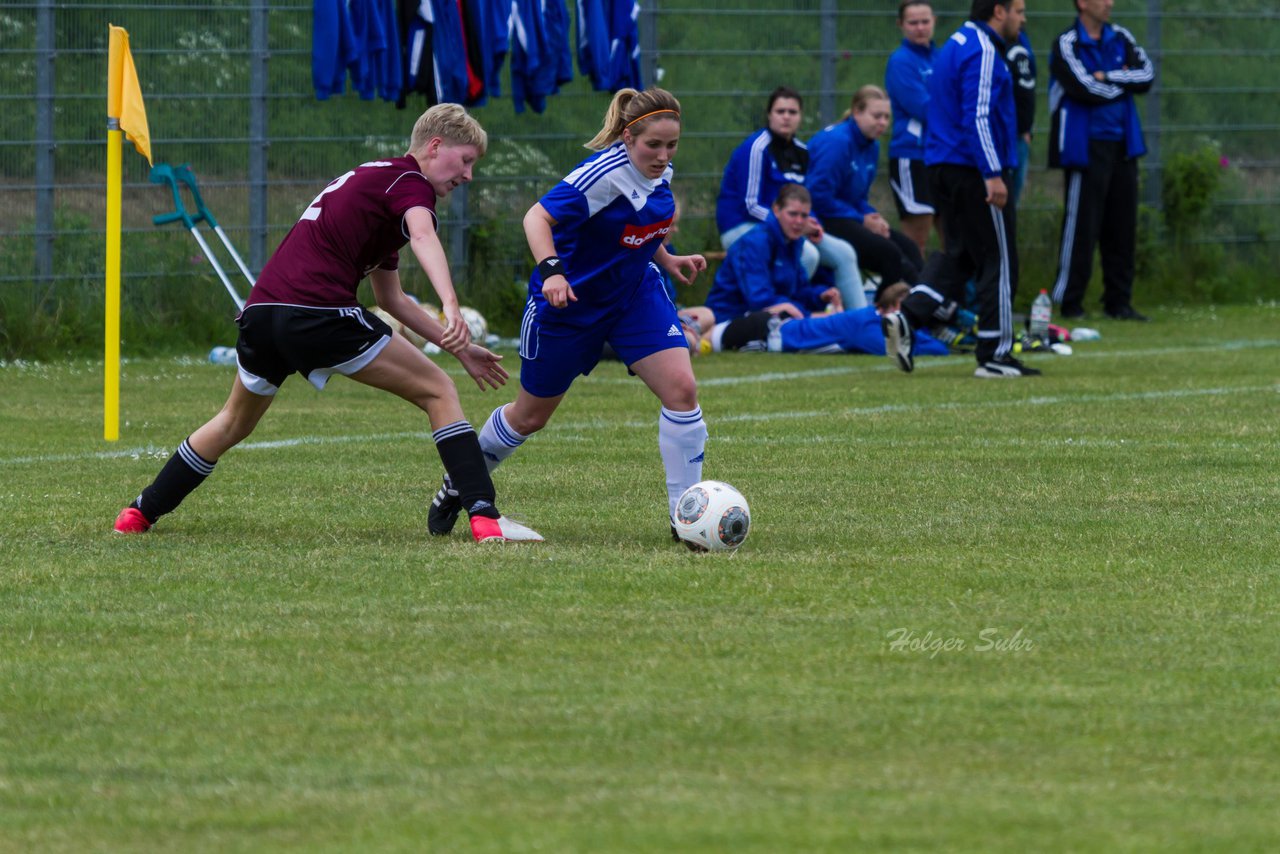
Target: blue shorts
(559, 344)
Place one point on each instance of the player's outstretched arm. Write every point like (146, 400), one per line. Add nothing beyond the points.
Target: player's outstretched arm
(392, 299)
(426, 247)
(481, 364)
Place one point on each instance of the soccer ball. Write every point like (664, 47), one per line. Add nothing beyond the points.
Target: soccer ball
(712, 516)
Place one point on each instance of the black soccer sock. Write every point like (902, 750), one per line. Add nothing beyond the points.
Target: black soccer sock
(180, 476)
(459, 450)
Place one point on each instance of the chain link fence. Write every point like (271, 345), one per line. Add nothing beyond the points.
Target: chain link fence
(228, 90)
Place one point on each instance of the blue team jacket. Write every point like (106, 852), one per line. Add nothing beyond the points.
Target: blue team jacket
(751, 182)
(762, 269)
(972, 117)
(906, 79)
(541, 59)
(842, 167)
(1074, 93)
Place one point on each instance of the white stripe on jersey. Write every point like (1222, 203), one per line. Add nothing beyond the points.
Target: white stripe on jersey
(611, 175)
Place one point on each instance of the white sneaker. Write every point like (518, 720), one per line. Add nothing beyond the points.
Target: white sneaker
(502, 529)
(898, 343)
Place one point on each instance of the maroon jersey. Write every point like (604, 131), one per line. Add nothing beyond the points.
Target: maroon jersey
(355, 225)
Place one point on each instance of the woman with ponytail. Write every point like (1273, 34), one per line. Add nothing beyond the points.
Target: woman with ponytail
(597, 239)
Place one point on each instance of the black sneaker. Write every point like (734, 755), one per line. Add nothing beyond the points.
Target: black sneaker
(445, 509)
(1071, 312)
(898, 342)
(1127, 312)
(1006, 367)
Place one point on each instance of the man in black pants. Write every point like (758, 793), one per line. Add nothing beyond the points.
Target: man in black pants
(971, 153)
(1096, 138)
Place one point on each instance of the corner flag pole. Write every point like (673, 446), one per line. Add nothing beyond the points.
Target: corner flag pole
(125, 114)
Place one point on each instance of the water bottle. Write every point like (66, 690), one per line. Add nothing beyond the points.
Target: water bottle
(223, 355)
(1041, 314)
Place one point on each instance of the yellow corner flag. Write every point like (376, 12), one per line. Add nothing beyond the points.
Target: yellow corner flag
(125, 114)
(124, 95)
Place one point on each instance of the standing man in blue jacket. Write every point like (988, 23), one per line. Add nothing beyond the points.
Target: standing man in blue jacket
(1096, 139)
(971, 153)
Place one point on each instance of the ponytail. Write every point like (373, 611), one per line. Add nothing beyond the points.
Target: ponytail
(636, 110)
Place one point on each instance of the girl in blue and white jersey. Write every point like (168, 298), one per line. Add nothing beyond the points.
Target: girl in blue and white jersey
(597, 236)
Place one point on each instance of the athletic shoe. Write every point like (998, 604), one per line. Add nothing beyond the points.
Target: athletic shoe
(131, 521)
(444, 511)
(1127, 312)
(1071, 312)
(502, 529)
(898, 342)
(1004, 368)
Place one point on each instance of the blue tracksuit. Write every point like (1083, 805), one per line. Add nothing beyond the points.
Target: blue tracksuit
(762, 269)
(752, 178)
(856, 331)
(842, 167)
(1082, 107)
(972, 117)
(906, 79)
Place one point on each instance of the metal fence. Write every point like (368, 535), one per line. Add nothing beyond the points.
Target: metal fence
(228, 90)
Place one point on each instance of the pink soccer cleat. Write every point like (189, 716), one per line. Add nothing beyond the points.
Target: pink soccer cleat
(131, 521)
(502, 529)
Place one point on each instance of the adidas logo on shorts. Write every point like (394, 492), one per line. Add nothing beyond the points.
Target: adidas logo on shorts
(674, 330)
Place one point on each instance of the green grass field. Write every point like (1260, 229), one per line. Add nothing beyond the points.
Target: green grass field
(983, 616)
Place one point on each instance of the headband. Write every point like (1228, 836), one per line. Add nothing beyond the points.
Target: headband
(646, 115)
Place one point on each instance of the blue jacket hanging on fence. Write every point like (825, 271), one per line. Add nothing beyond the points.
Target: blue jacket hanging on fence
(540, 57)
(359, 37)
(498, 44)
(609, 43)
(333, 47)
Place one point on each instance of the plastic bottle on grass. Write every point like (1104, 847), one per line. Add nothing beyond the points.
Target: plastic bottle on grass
(1041, 315)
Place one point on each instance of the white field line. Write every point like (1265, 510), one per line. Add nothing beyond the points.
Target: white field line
(156, 452)
(882, 365)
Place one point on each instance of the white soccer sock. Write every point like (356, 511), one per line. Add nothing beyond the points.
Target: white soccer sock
(497, 440)
(682, 436)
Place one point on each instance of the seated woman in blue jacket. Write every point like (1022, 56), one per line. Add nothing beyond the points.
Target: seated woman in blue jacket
(842, 167)
(757, 169)
(763, 271)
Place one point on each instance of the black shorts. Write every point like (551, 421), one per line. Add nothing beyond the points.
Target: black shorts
(912, 192)
(277, 340)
